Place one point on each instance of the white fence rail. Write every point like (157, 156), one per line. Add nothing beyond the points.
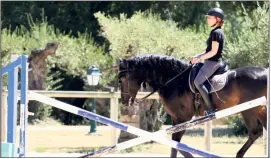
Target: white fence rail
(114, 96)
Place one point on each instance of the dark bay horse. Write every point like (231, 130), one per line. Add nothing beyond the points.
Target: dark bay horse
(244, 84)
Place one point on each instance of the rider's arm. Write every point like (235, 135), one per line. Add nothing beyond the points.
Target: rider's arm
(200, 54)
(211, 53)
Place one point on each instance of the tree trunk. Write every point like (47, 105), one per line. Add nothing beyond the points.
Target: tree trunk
(37, 78)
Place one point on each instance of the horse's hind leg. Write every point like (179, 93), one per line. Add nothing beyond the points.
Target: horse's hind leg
(262, 116)
(254, 131)
(177, 137)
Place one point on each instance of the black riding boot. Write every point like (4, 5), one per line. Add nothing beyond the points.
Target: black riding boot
(205, 95)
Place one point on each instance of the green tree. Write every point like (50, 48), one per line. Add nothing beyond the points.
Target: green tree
(77, 16)
(251, 43)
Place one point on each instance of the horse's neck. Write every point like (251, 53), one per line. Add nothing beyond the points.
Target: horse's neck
(157, 79)
(156, 73)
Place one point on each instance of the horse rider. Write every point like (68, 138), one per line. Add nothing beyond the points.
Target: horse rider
(211, 56)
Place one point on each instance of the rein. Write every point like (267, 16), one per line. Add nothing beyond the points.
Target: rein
(164, 85)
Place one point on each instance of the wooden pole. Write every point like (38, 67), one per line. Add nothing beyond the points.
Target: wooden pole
(4, 118)
(208, 135)
(87, 94)
(114, 116)
(264, 141)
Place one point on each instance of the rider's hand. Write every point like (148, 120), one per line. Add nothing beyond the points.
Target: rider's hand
(191, 58)
(195, 60)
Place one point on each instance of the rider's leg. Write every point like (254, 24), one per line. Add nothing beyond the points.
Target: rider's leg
(205, 72)
(205, 95)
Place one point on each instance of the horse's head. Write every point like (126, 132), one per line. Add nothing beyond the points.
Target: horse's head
(155, 70)
(129, 83)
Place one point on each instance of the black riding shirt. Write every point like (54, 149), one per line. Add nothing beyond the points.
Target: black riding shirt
(216, 34)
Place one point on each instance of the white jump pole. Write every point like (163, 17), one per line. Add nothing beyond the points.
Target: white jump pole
(183, 126)
(124, 127)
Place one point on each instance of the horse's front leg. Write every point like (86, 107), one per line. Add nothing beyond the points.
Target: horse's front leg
(177, 137)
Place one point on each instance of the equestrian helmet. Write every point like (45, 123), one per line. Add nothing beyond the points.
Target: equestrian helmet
(216, 12)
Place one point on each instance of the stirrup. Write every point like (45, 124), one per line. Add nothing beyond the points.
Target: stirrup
(208, 112)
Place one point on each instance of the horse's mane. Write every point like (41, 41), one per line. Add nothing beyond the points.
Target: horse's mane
(155, 69)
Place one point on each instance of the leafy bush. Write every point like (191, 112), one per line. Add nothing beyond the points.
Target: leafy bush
(147, 33)
(236, 123)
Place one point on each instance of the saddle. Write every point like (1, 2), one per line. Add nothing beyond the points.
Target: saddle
(214, 83)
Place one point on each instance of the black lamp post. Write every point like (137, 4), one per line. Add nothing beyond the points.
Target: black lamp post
(93, 77)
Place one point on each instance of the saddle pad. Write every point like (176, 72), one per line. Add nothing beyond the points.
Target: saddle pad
(218, 82)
